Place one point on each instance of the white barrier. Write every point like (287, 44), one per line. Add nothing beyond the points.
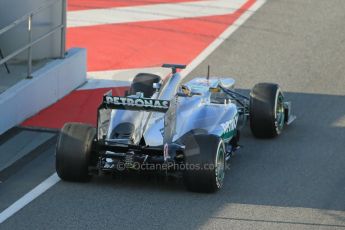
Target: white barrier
(49, 84)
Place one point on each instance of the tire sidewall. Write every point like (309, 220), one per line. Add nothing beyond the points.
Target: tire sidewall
(264, 99)
(204, 179)
(277, 127)
(221, 147)
(73, 152)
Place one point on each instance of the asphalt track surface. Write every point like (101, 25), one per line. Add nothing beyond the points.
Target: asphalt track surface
(296, 181)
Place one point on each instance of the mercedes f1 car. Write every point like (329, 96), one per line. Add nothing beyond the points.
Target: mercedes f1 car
(190, 130)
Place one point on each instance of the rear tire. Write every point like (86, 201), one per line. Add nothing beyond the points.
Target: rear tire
(266, 110)
(73, 152)
(143, 82)
(204, 162)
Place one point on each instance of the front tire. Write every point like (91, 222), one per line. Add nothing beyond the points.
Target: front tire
(204, 162)
(266, 110)
(73, 152)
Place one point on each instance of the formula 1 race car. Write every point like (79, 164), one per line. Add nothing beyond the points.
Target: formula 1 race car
(190, 130)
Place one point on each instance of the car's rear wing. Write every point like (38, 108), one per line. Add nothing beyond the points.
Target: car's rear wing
(135, 103)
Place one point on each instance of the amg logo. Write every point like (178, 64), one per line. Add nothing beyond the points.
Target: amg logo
(137, 102)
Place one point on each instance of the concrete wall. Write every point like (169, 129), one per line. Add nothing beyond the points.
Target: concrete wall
(49, 84)
(11, 10)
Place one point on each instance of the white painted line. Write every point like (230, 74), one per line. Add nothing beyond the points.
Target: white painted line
(225, 35)
(30, 196)
(294, 216)
(153, 12)
(103, 83)
(118, 78)
(52, 180)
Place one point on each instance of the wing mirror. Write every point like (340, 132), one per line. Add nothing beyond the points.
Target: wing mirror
(157, 86)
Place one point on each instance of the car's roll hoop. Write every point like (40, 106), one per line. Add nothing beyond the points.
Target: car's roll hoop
(174, 67)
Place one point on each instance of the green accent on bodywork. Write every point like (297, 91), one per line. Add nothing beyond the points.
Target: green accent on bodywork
(227, 136)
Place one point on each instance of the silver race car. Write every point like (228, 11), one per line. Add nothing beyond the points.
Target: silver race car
(188, 130)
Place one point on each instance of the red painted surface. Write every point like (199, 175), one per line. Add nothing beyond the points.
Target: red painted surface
(79, 106)
(131, 45)
(96, 4)
(145, 44)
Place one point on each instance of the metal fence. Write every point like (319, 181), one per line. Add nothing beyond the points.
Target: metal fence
(30, 42)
